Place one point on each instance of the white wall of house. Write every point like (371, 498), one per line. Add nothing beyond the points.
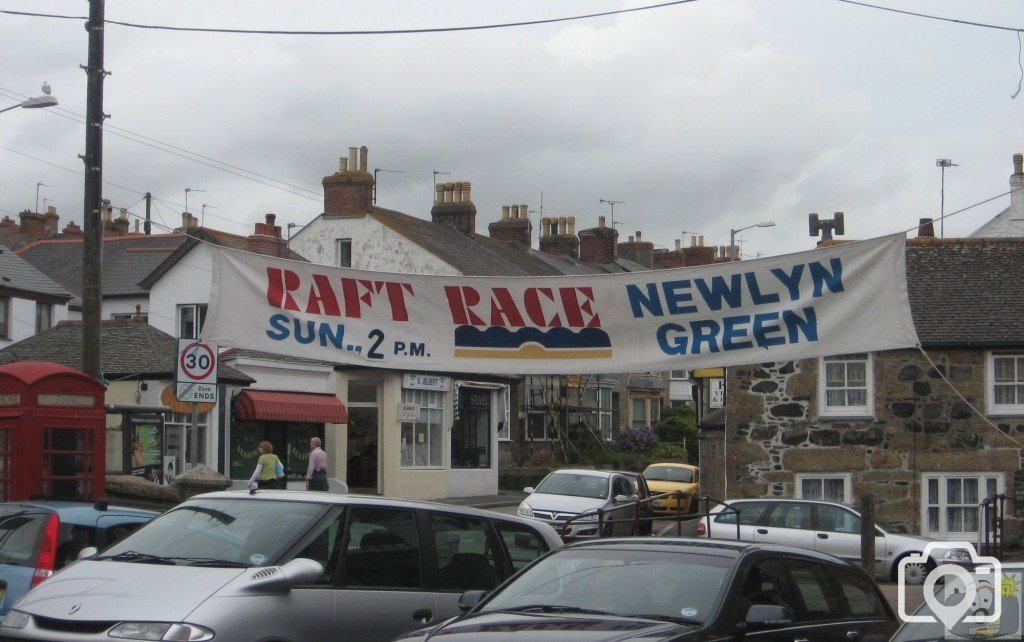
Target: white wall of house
(188, 281)
(22, 319)
(375, 246)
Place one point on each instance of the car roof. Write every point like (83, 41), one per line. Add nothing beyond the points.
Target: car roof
(352, 499)
(727, 548)
(592, 472)
(672, 464)
(780, 500)
(80, 512)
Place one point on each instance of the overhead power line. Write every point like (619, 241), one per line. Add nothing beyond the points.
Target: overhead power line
(368, 32)
(504, 25)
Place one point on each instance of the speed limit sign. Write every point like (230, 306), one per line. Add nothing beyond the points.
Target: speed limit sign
(196, 371)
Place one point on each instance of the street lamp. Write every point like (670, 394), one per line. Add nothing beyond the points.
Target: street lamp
(46, 100)
(733, 254)
(942, 164)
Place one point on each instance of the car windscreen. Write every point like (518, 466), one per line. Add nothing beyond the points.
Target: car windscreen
(574, 484)
(669, 473)
(233, 532)
(668, 585)
(20, 531)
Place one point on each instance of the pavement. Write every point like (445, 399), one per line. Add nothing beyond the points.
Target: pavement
(503, 499)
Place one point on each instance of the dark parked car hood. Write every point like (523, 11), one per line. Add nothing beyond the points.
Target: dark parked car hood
(527, 627)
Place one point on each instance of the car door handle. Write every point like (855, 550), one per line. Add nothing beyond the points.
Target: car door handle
(822, 535)
(763, 531)
(853, 635)
(423, 615)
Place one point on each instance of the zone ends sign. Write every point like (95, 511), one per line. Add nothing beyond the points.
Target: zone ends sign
(196, 372)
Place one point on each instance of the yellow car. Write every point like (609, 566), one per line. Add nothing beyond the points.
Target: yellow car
(667, 478)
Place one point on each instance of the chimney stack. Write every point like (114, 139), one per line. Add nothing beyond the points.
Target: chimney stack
(33, 225)
(454, 207)
(638, 250)
(514, 225)
(266, 238)
(555, 237)
(188, 221)
(1017, 187)
(52, 221)
(72, 229)
(349, 192)
(597, 244)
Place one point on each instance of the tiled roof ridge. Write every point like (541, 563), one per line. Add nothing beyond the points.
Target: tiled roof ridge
(973, 240)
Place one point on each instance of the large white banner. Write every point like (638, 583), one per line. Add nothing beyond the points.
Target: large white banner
(841, 299)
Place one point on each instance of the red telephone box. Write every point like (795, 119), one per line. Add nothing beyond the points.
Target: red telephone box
(52, 432)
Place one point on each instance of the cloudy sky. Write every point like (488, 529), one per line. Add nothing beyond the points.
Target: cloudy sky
(699, 117)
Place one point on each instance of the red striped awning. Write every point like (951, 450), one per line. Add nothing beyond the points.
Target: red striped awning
(305, 407)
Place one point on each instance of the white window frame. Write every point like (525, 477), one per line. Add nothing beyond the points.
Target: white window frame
(338, 254)
(1003, 410)
(44, 316)
(5, 316)
(865, 411)
(943, 532)
(846, 478)
(430, 403)
(196, 308)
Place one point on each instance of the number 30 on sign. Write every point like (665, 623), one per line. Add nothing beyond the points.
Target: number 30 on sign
(196, 378)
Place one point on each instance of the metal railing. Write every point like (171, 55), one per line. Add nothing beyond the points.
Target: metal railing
(993, 515)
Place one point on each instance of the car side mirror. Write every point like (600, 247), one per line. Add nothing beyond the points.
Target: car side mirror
(528, 490)
(469, 599)
(762, 616)
(87, 552)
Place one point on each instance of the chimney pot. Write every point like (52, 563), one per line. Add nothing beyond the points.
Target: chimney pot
(124, 213)
(271, 218)
(678, 242)
(572, 226)
(364, 158)
(343, 164)
(638, 235)
(600, 221)
(925, 228)
(504, 211)
(1018, 164)
(524, 210)
(449, 188)
(353, 158)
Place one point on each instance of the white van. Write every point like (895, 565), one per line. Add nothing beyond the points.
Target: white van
(281, 565)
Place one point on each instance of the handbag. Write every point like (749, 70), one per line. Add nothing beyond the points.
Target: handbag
(279, 468)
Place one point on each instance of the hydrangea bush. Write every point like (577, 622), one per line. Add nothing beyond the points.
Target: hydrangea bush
(640, 440)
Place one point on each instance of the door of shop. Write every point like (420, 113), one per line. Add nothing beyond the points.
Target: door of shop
(363, 437)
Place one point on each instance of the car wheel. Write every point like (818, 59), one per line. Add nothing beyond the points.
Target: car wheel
(915, 574)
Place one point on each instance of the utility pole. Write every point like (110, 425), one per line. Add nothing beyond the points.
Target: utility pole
(92, 241)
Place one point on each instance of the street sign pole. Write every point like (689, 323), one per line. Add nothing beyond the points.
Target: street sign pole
(195, 382)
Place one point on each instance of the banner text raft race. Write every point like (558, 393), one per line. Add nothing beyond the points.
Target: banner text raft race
(836, 300)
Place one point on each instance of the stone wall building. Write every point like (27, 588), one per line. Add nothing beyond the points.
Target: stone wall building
(928, 433)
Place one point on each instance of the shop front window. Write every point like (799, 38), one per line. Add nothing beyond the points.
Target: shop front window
(422, 439)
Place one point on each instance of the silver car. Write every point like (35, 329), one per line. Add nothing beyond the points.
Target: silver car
(827, 527)
(284, 566)
(564, 495)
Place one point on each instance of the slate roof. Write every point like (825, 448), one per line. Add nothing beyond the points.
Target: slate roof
(197, 235)
(967, 292)
(239, 353)
(479, 255)
(1009, 222)
(126, 260)
(128, 349)
(19, 277)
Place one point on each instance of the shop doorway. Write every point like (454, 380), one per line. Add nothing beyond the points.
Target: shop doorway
(363, 437)
(471, 432)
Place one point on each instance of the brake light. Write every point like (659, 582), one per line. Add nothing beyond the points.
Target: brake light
(702, 529)
(47, 560)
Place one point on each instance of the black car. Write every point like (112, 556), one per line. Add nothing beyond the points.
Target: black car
(676, 589)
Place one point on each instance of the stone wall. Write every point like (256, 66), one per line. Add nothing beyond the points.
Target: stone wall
(920, 425)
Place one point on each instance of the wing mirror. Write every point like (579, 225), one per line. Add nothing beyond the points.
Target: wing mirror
(528, 490)
(469, 599)
(762, 616)
(87, 552)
